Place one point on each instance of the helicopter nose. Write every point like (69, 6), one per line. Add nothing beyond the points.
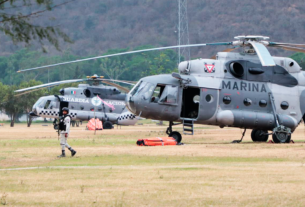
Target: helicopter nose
(32, 113)
(130, 104)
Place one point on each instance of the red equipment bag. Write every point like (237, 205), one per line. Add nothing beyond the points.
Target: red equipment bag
(157, 141)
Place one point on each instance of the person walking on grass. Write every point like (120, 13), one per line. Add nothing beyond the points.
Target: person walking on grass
(64, 128)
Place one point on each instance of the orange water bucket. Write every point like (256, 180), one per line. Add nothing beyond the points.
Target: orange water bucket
(95, 124)
(157, 141)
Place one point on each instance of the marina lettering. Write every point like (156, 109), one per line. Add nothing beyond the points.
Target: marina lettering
(243, 86)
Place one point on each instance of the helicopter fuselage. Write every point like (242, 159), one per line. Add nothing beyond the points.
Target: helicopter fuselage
(234, 90)
(86, 102)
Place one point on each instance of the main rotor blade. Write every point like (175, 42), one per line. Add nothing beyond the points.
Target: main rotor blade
(125, 53)
(285, 44)
(49, 85)
(131, 82)
(290, 48)
(263, 54)
(26, 92)
(118, 86)
(120, 81)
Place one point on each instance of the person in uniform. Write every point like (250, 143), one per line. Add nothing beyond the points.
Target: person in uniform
(64, 128)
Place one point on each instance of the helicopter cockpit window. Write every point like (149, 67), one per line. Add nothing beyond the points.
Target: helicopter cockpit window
(46, 106)
(39, 103)
(157, 93)
(141, 88)
(169, 95)
(136, 88)
(147, 90)
(52, 105)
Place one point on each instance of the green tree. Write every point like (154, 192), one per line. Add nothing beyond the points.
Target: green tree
(27, 100)
(15, 105)
(135, 66)
(19, 27)
(127, 67)
(3, 89)
(113, 67)
(11, 104)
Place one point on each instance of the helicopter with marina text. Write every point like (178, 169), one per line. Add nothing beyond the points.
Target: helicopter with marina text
(249, 89)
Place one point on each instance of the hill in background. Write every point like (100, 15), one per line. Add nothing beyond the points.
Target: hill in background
(97, 26)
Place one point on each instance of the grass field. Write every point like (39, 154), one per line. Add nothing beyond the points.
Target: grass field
(110, 170)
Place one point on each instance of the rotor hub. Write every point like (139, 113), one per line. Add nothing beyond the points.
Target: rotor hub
(251, 38)
(245, 41)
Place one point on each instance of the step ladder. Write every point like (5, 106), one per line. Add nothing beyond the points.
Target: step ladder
(188, 126)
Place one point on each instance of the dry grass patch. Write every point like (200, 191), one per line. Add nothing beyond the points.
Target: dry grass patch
(110, 170)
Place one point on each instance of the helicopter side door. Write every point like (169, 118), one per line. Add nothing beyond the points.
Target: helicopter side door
(199, 103)
(208, 103)
(190, 103)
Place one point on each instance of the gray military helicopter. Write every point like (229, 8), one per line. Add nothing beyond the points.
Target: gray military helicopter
(249, 90)
(87, 101)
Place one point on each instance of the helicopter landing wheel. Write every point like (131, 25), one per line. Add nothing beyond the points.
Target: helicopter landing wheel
(258, 135)
(281, 137)
(176, 135)
(107, 125)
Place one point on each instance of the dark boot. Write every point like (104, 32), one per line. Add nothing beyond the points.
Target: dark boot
(73, 152)
(63, 154)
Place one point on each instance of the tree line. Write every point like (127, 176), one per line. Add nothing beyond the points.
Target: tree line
(15, 105)
(128, 67)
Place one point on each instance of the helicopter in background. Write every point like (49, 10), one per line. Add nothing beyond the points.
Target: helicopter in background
(249, 90)
(91, 100)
